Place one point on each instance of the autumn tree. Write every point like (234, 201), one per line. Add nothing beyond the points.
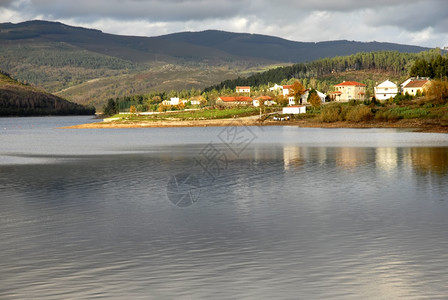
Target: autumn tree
(296, 91)
(314, 99)
(132, 109)
(438, 91)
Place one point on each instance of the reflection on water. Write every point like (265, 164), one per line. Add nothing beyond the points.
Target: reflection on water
(430, 160)
(427, 160)
(386, 158)
(299, 214)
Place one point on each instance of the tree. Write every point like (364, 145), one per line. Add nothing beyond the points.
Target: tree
(314, 99)
(132, 109)
(438, 91)
(296, 91)
(111, 108)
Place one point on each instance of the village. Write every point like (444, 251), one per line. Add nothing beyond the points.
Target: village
(343, 92)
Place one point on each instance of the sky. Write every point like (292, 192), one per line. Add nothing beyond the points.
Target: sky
(413, 22)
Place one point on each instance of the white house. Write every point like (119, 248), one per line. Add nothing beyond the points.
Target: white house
(386, 90)
(243, 89)
(266, 100)
(297, 109)
(276, 87)
(283, 89)
(304, 98)
(174, 101)
(414, 85)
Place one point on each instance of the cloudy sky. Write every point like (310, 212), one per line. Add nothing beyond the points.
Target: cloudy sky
(416, 22)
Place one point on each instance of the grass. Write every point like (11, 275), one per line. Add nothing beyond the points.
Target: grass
(202, 114)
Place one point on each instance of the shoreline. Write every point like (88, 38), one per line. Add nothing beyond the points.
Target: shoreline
(432, 126)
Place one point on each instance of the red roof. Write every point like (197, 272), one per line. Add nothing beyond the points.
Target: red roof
(337, 92)
(285, 87)
(416, 83)
(236, 99)
(264, 98)
(296, 106)
(243, 87)
(350, 83)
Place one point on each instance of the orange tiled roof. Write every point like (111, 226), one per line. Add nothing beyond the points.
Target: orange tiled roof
(236, 99)
(350, 83)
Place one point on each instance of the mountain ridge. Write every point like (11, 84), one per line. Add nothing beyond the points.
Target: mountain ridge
(187, 45)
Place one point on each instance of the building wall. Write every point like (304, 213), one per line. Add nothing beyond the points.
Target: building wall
(351, 92)
(294, 110)
(413, 90)
(384, 93)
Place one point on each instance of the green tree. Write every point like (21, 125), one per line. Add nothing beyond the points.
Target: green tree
(110, 108)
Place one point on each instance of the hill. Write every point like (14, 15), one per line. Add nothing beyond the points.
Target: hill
(89, 66)
(278, 49)
(17, 99)
(212, 46)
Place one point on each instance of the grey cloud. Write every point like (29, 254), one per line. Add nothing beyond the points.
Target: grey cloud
(416, 17)
(294, 19)
(154, 10)
(343, 5)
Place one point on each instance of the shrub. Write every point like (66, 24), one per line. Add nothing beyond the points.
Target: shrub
(359, 113)
(331, 113)
(387, 115)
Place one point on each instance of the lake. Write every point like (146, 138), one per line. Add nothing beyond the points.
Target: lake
(221, 212)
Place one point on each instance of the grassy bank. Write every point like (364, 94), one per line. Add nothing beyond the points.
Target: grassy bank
(200, 114)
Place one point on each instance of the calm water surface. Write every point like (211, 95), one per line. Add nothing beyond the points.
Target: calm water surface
(221, 213)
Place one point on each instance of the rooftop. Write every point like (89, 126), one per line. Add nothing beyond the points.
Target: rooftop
(351, 83)
(236, 99)
(417, 83)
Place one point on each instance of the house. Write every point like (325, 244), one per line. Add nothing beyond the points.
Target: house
(243, 89)
(386, 90)
(284, 90)
(197, 100)
(414, 85)
(281, 89)
(297, 109)
(266, 100)
(304, 97)
(276, 88)
(349, 90)
(234, 101)
(174, 101)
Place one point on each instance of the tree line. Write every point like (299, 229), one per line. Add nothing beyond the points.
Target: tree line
(436, 67)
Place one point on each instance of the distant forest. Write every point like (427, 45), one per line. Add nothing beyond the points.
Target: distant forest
(428, 63)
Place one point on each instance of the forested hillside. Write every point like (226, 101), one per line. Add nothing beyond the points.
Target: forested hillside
(21, 100)
(390, 62)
